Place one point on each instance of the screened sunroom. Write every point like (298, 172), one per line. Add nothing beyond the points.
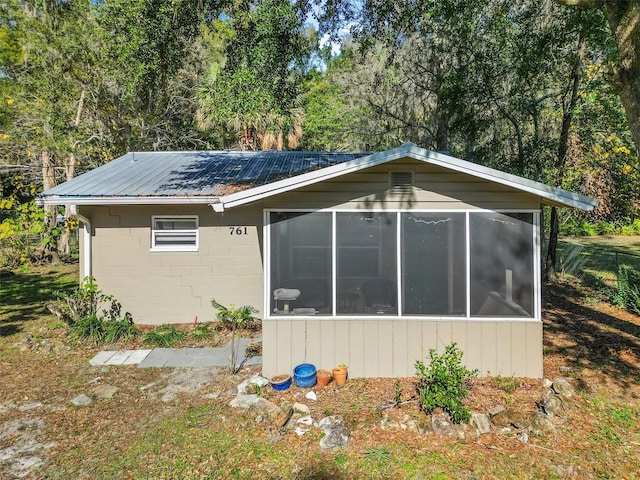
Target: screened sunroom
(427, 264)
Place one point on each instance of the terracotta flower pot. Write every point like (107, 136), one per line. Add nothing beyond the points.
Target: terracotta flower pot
(339, 375)
(324, 377)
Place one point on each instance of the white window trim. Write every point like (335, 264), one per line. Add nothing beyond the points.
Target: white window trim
(537, 288)
(175, 248)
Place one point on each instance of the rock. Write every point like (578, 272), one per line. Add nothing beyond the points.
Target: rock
(541, 424)
(95, 381)
(413, 425)
(302, 408)
(495, 410)
(424, 426)
(30, 406)
(305, 420)
(552, 404)
(336, 437)
(252, 385)
(441, 424)
(510, 418)
(244, 401)
(263, 406)
(481, 422)
(146, 387)
(328, 422)
(81, 400)
(281, 415)
(311, 395)
(300, 431)
(565, 369)
(546, 383)
(562, 387)
(104, 391)
(388, 423)
(522, 436)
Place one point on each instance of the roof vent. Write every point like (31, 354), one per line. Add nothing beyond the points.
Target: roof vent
(401, 181)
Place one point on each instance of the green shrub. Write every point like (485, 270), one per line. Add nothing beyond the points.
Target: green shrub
(233, 317)
(120, 329)
(85, 301)
(93, 315)
(88, 328)
(201, 331)
(506, 384)
(627, 293)
(444, 382)
(164, 336)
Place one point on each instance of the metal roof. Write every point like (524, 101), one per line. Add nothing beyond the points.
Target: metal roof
(195, 174)
(227, 179)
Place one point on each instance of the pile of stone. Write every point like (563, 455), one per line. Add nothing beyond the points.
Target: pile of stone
(286, 417)
(555, 403)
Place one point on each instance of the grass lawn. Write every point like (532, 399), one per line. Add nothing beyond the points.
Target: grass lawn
(141, 432)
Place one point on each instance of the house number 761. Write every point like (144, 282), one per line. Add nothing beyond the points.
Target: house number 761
(238, 231)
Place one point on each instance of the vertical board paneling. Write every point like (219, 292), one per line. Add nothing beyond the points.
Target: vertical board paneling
(503, 348)
(443, 336)
(298, 344)
(534, 349)
(473, 353)
(389, 348)
(327, 343)
(385, 348)
(283, 354)
(371, 354)
(459, 335)
(341, 340)
(269, 348)
(314, 348)
(489, 346)
(399, 351)
(356, 359)
(429, 338)
(519, 349)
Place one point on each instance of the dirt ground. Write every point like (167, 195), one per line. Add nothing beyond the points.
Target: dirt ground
(44, 435)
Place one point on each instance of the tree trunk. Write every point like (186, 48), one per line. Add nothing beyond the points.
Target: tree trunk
(624, 21)
(70, 171)
(63, 243)
(568, 108)
(48, 181)
(623, 17)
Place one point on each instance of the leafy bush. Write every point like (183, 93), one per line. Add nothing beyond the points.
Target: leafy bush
(627, 293)
(88, 328)
(444, 382)
(120, 329)
(201, 331)
(164, 336)
(232, 318)
(93, 315)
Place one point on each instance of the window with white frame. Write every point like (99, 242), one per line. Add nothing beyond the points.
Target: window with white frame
(470, 264)
(174, 233)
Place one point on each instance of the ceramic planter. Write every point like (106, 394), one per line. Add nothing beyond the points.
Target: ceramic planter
(324, 377)
(339, 375)
(281, 382)
(304, 375)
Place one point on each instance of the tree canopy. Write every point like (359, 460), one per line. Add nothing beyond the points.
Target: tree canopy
(536, 88)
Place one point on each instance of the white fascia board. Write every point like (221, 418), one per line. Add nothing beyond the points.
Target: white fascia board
(150, 200)
(553, 194)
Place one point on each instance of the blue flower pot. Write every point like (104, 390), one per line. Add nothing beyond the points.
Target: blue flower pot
(278, 383)
(304, 375)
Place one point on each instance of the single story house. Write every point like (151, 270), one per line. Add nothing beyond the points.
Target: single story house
(367, 259)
